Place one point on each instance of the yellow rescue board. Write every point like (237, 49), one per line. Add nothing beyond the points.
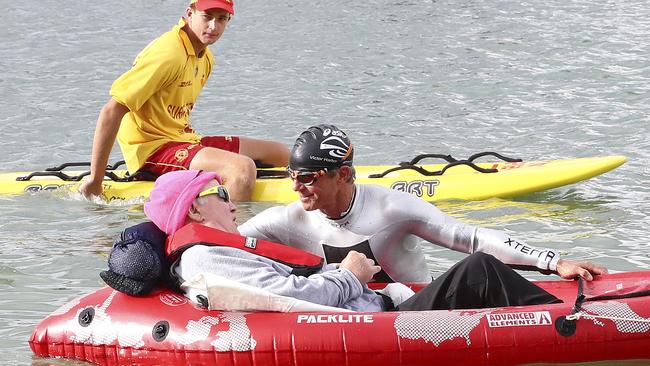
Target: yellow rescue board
(458, 182)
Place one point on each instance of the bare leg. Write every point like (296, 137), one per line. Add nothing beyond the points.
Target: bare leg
(265, 151)
(237, 171)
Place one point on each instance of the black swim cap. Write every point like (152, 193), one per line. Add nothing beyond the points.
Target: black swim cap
(322, 146)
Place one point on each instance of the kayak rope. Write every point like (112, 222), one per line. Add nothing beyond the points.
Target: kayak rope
(57, 172)
(266, 171)
(452, 162)
(566, 325)
(581, 314)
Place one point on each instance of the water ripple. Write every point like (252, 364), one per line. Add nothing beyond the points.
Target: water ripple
(536, 80)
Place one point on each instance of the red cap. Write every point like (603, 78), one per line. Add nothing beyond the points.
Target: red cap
(204, 5)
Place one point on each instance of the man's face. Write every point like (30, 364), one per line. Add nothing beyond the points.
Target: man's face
(215, 211)
(321, 194)
(209, 25)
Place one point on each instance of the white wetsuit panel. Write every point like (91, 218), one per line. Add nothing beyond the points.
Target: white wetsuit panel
(387, 221)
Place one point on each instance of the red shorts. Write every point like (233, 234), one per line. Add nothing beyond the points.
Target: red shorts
(178, 155)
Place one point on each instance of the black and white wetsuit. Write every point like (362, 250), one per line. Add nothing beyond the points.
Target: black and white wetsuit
(383, 224)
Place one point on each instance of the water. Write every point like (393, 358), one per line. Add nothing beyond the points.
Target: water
(536, 80)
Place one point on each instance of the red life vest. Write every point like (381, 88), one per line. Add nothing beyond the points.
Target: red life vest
(303, 263)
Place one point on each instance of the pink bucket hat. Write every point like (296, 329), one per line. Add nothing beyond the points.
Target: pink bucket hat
(172, 195)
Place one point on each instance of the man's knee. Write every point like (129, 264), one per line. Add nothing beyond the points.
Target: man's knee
(480, 258)
(477, 266)
(241, 172)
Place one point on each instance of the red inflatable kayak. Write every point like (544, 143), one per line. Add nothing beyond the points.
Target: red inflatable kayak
(610, 321)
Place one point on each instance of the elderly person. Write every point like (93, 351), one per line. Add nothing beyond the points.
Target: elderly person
(195, 211)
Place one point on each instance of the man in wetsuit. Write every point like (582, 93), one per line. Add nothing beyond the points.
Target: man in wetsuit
(334, 215)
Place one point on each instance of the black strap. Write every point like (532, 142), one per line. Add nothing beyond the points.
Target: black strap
(389, 305)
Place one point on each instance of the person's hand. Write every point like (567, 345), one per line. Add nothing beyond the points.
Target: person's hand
(362, 267)
(569, 269)
(91, 187)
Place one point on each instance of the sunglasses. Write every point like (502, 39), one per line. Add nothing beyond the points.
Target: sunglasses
(219, 190)
(306, 178)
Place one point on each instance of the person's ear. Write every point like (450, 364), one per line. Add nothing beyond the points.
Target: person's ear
(345, 173)
(194, 214)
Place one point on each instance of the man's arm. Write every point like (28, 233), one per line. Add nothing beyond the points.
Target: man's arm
(516, 252)
(431, 224)
(108, 124)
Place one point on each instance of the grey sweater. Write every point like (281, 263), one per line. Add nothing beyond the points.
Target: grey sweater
(331, 286)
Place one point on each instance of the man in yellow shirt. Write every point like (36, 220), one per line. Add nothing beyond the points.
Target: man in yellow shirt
(151, 103)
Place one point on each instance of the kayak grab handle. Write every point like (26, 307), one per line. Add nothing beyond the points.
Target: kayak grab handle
(65, 165)
(85, 163)
(71, 178)
(57, 171)
(428, 173)
(59, 174)
(451, 159)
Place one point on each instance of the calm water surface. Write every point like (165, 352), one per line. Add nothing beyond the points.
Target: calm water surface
(536, 80)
